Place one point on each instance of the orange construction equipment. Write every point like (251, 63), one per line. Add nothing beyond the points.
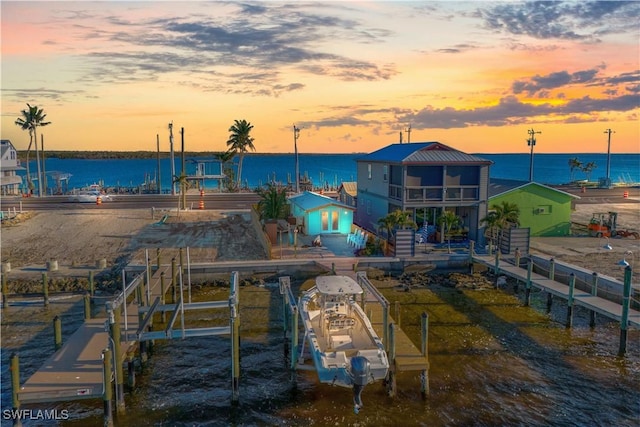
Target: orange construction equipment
(201, 205)
(98, 200)
(625, 194)
(603, 224)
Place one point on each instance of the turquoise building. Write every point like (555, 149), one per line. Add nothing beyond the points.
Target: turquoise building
(319, 214)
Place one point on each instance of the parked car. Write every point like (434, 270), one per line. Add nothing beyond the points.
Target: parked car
(90, 196)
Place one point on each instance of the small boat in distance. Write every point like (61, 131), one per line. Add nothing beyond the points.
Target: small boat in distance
(345, 348)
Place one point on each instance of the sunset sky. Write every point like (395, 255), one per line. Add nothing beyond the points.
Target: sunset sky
(352, 75)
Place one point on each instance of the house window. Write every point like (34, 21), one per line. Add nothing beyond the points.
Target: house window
(369, 170)
(542, 210)
(385, 173)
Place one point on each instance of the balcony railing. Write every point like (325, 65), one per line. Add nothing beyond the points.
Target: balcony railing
(434, 194)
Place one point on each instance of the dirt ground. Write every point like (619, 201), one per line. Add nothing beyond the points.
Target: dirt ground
(83, 238)
(80, 239)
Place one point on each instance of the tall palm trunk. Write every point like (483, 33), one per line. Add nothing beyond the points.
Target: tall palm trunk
(35, 134)
(29, 182)
(240, 170)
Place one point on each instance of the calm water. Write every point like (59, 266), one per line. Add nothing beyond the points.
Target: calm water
(493, 363)
(330, 169)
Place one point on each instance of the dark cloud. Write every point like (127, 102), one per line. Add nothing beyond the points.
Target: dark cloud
(22, 94)
(552, 81)
(257, 37)
(570, 20)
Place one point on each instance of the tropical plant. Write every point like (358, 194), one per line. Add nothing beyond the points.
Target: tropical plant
(228, 182)
(503, 216)
(31, 118)
(184, 185)
(491, 223)
(574, 164)
(273, 202)
(449, 221)
(240, 142)
(396, 219)
(588, 168)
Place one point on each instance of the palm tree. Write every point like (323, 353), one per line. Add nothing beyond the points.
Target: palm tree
(30, 120)
(184, 184)
(573, 165)
(503, 216)
(273, 201)
(240, 142)
(450, 221)
(396, 219)
(225, 157)
(491, 222)
(588, 168)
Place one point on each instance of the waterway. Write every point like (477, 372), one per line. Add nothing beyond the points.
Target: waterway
(493, 361)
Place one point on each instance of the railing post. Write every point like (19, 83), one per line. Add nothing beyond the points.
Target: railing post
(572, 286)
(115, 336)
(173, 280)
(158, 258)
(552, 269)
(624, 319)
(162, 298)
(594, 292)
(91, 284)
(397, 304)
(496, 267)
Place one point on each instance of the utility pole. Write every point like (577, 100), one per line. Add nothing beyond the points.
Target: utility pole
(608, 132)
(531, 142)
(44, 169)
(409, 134)
(158, 185)
(173, 165)
(296, 134)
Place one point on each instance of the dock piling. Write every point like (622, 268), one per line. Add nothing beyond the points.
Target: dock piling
(108, 392)
(87, 307)
(57, 333)
(91, 284)
(163, 316)
(424, 376)
(45, 289)
(527, 291)
(625, 310)
(5, 294)
(496, 268)
(158, 258)
(594, 292)
(15, 387)
(572, 286)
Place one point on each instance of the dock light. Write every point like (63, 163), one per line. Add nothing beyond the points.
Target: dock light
(624, 262)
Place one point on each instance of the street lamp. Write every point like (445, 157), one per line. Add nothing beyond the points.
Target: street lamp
(609, 132)
(296, 135)
(531, 142)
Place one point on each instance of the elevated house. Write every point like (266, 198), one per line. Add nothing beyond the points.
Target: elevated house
(10, 182)
(423, 179)
(546, 211)
(319, 214)
(348, 193)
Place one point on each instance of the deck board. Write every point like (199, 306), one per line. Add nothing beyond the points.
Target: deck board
(75, 370)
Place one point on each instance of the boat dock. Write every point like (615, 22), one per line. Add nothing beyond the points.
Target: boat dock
(573, 296)
(75, 371)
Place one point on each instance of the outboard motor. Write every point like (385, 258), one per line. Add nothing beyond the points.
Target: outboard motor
(360, 372)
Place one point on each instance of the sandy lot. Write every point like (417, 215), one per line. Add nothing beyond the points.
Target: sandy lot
(80, 238)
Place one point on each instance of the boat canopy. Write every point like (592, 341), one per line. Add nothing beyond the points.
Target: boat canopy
(337, 285)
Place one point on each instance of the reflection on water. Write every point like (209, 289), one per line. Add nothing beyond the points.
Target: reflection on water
(493, 362)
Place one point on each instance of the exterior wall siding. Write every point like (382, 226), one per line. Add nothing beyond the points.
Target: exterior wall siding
(544, 211)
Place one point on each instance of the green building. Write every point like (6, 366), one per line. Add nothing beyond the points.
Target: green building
(545, 210)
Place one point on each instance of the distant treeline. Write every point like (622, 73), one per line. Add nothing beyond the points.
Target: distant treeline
(112, 154)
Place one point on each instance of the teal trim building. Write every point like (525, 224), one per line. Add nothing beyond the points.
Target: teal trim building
(320, 214)
(546, 211)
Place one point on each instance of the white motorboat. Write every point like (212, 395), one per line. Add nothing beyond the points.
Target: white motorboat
(345, 348)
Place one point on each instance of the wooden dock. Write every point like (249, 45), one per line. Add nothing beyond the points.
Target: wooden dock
(594, 303)
(75, 371)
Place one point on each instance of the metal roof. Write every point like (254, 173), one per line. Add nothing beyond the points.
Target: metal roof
(498, 187)
(350, 187)
(421, 153)
(310, 201)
